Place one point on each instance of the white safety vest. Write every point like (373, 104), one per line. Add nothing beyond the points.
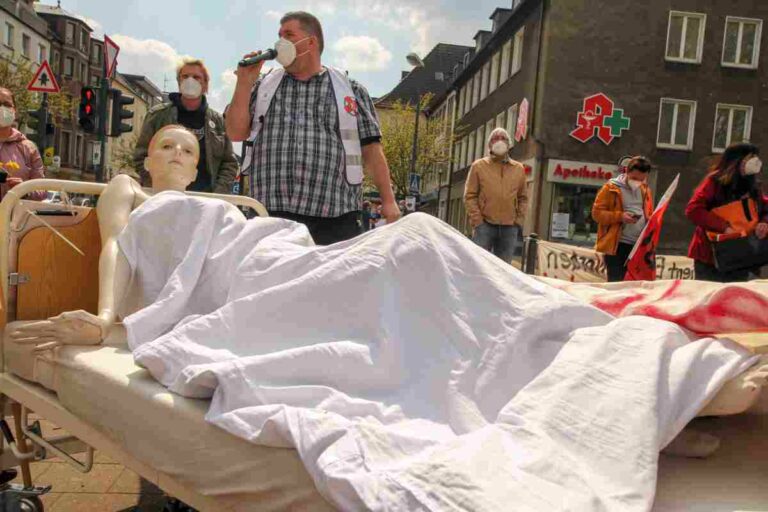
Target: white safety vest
(346, 105)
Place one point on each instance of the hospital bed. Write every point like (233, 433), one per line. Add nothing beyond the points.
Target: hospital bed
(101, 398)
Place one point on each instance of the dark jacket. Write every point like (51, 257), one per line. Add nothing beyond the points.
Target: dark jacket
(219, 155)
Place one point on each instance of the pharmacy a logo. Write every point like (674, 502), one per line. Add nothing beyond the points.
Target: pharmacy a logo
(600, 118)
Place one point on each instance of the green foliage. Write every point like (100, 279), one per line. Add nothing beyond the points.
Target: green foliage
(15, 74)
(397, 126)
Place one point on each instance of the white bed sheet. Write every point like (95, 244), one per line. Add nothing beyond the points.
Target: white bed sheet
(106, 389)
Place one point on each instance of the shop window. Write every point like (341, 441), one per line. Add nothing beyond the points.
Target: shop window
(741, 43)
(517, 53)
(685, 36)
(676, 121)
(572, 214)
(733, 123)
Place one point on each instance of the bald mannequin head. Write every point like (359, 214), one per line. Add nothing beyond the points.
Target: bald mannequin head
(172, 158)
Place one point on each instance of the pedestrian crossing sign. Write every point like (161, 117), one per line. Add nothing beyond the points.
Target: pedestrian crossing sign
(44, 80)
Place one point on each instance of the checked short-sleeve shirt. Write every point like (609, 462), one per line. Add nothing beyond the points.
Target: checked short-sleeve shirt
(299, 155)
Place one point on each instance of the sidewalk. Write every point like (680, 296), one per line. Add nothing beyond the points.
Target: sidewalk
(108, 487)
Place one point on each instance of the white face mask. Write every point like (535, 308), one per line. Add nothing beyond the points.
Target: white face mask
(7, 116)
(753, 166)
(286, 51)
(635, 184)
(190, 88)
(499, 148)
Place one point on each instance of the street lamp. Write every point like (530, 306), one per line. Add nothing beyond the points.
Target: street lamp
(415, 61)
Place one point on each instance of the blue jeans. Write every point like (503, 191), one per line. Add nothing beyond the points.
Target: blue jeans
(500, 240)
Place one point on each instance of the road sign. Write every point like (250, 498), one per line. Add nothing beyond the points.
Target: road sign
(521, 130)
(414, 183)
(44, 81)
(410, 203)
(110, 55)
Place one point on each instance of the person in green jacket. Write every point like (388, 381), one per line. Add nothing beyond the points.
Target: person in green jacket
(217, 167)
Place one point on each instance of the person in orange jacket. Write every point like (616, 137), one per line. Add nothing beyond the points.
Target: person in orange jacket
(621, 209)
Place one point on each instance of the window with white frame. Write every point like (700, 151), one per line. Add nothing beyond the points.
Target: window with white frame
(685, 36)
(517, 52)
(461, 101)
(471, 147)
(8, 35)
(676, 122)
(464, 155)
(733, 123)
(500, 119)
(456, 154)
(512, 121)
(741, 42)
(42, 53)
(476, 88)
(479, 142)
(69, 65)
(506, 52)
(466, 59)
(494, 72)
(486, 80)
(26, 45)
(69, 36)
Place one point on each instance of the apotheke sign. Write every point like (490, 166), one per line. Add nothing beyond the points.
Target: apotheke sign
(580, 173)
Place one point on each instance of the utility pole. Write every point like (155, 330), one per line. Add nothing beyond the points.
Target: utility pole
(103, 99)
(42, 125)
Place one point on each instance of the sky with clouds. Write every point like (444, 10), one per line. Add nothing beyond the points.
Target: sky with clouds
(369, 38)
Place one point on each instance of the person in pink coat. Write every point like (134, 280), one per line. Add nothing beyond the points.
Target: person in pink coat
(19, 157)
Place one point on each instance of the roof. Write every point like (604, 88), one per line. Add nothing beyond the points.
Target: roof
(56, 10)
(441, 59)
(144, 83)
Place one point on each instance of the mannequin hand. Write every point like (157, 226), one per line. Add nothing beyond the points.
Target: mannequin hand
(390, 211)
(628, 218)
(761, 230)
(70, 328)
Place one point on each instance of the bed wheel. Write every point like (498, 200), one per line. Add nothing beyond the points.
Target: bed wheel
(31, 504)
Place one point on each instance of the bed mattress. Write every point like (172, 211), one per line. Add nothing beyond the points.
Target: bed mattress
(104, 387)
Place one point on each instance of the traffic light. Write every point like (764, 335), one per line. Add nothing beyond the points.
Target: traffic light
(36, 120)
(119, 113)
(88, 115)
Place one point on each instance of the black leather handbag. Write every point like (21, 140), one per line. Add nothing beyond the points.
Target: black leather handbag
(740, 253)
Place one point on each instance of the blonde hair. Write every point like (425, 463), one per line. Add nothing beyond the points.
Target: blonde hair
(189, 61)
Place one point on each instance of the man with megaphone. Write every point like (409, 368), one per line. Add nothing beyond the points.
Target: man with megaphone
(309, 131)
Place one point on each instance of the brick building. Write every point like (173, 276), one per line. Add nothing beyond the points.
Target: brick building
(675, 80)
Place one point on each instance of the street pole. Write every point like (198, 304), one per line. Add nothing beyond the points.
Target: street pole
(103, 98)
(41, 125)
(415, 135)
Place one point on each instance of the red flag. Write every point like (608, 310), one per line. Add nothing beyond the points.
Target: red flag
(641, 263)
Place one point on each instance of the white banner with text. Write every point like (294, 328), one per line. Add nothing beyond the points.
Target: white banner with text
(579, 264)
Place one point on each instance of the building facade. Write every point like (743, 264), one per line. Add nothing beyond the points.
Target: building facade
(580, 87)
(24, 34)
(76, 60)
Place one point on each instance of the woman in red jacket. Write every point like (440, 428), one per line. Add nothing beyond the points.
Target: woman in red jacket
(732, 178)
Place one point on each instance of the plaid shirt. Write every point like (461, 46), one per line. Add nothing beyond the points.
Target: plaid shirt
(299, 156)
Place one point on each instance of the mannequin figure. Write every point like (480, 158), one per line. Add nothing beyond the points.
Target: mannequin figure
(171, 162)
(172, 165)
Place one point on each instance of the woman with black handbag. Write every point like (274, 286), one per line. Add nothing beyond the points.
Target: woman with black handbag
(731, 217)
